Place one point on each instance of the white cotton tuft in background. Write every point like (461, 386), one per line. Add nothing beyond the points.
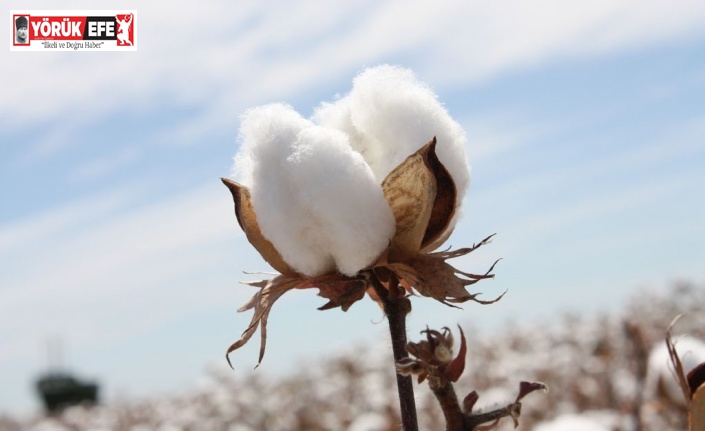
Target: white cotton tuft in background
(316, 199)
(389, 115)
(691, 352)
(587, 421)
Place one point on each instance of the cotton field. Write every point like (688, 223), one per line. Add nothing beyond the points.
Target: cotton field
(606, 373)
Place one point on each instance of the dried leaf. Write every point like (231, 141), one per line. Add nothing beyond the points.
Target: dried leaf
(525, 388)
(512, 410)
(408, 277)
(439, 280)
(677, 364)
(340, 291)
(457, 366)
(262, 301)
(463, 251)
(247, 219)
(431, 276)
(469, 402)
(410, 190)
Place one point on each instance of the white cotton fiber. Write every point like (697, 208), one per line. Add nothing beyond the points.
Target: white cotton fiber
(660, 376)
(389, 114)
(316, 184)
(598, 421)
(316, 199)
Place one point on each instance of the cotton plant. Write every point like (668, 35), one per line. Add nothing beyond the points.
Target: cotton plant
(691, 380)
(355, 201)
(432, 360)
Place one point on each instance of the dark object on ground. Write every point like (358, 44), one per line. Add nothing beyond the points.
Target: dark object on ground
(59, 390)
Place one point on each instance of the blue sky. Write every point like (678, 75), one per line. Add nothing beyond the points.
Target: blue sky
(586, 128)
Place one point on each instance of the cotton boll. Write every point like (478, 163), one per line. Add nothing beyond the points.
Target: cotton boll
(266, 133)
(347, 211)
(316, 200)
(389, 115)
(691, 352)
(339, 116)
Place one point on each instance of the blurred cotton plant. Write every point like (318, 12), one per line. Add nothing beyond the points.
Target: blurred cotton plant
(355, 200)
(432, 360)
(691, 384)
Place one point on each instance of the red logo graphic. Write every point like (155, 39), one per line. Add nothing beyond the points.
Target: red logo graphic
(126, 34)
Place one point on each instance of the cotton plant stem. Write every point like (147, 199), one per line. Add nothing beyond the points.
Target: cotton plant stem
(449, 404)
(396, 310)
(396, 315)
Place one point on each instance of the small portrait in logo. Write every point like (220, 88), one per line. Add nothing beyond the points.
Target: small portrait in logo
(124, 22)
(21, 33)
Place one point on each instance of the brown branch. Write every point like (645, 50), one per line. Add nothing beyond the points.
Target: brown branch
(474, 422)
(396, 307)
(449, 404)
(456, 420)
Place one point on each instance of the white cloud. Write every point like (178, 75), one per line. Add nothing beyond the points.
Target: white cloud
(491, 38)
(235, 55)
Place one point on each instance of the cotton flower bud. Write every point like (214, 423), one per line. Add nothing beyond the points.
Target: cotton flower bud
(443, 354)
(444, 350)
